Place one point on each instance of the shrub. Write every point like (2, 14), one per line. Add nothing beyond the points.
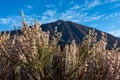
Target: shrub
(32, 56)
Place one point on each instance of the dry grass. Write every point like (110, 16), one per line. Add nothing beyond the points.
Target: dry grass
(32, 56)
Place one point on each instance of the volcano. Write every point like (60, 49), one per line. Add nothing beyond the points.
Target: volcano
(74, 31)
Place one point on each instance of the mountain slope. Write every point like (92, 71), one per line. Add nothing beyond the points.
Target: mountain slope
(73, 31)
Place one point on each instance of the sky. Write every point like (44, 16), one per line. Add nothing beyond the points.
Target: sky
(103, 15)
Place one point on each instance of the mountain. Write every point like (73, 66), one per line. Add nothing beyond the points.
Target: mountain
(73, 31)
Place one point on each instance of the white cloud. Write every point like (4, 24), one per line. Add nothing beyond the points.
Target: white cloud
(115, 33)
(116, 14)
(10, 21)
(29, 7)
(94, 25)
(80, 16)
(72, 14)
(76, 7)
(3, 21)
(46, 19)
(93, 17)
(97, 17)
(75, 13)
(90, 4)
(94, 3)
(49, 13)
(50, 5)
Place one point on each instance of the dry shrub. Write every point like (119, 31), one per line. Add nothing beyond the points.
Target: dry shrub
(32, 56)
(27, 56)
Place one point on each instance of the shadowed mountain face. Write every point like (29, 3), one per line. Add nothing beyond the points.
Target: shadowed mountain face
(73, 31)
(70, 31)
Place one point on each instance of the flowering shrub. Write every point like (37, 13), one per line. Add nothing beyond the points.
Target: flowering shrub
(32, 56)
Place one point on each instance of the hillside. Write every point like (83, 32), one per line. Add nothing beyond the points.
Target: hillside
(73, 31)
(30, 56)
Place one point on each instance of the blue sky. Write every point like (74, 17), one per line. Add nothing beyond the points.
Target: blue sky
(100, 14)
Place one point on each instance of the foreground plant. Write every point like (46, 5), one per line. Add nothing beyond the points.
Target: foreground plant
(28, 55)
(31, 55)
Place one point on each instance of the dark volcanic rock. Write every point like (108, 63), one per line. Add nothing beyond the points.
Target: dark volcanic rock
(73, 31)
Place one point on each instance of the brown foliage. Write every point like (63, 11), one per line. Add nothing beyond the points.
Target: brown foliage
(32, 56)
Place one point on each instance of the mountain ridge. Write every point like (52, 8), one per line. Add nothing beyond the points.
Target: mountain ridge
(74, 31)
